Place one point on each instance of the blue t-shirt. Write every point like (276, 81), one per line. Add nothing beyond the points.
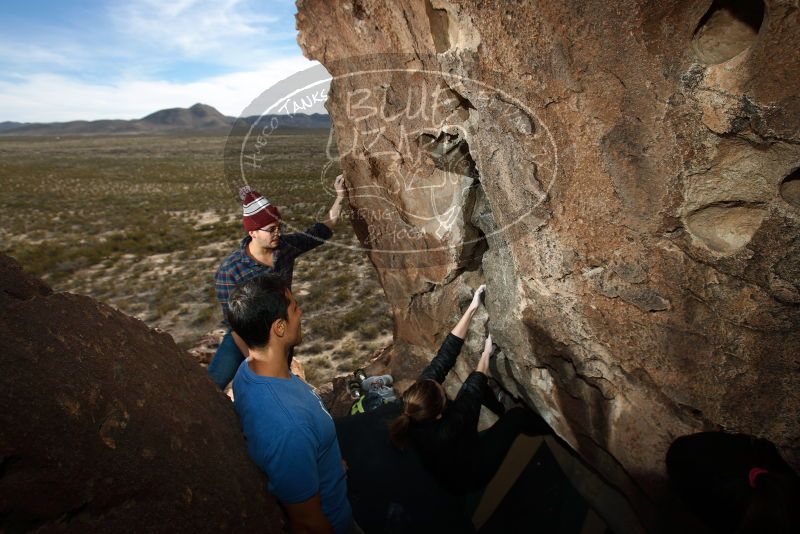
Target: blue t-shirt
(291, 437)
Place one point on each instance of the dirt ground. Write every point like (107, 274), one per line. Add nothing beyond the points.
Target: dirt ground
(142, 223)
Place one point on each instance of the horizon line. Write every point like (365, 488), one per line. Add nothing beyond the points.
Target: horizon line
(156, 111)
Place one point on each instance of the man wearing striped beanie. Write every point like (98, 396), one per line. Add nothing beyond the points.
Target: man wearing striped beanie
(265, 249)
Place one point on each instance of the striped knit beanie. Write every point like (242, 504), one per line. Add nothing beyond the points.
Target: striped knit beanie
(257, 212)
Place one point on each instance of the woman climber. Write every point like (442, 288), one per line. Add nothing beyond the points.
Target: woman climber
(445, 433)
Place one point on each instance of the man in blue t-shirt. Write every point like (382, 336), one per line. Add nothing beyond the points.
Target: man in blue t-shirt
(289, 434)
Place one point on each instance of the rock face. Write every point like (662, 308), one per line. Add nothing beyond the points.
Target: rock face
(623, 175)
(108, 426)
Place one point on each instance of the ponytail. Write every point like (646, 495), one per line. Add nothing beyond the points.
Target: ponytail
(423, 401)
(398, 431)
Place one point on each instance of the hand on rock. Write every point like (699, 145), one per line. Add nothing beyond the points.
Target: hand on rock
(483, 363)
(487, 346)
(339, 186)
(476, 298)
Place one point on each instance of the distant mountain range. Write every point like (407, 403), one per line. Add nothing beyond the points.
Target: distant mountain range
(198, 118)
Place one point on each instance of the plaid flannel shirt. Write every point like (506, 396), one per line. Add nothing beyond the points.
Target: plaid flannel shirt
(239, 267)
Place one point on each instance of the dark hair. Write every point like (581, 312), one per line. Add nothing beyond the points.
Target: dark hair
(423, 401)
(255, 305)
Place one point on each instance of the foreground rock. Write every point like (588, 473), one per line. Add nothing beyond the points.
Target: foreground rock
(624, 178)
(106, 425)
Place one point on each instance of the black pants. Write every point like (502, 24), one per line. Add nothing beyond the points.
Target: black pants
(494, 442)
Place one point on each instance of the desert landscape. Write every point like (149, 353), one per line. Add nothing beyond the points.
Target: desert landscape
(141, 222)
(624, 178)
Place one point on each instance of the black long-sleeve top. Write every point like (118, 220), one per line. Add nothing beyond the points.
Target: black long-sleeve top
(447, 446)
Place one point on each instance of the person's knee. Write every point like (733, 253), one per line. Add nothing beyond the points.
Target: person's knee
(225, 362)
(528, 421)
(519, 413)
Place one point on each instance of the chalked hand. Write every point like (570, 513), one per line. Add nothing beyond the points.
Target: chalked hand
(340, 186)
(476, 298)
(483, 363)
(487, 347)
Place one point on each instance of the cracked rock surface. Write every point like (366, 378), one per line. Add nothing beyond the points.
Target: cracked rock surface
(623, 175)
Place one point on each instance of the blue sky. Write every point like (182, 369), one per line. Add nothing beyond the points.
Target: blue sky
(92, 59)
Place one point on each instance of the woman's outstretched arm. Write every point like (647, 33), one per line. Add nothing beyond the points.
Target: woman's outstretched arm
(461, 328)
(451, 346)
(464, 412)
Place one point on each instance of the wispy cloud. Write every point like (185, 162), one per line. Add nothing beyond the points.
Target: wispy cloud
(229, 29)
(124, 60)
(47, 97)
(24, 54)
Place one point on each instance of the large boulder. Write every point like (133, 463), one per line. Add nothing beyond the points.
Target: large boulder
(623, 175)
(106, 425)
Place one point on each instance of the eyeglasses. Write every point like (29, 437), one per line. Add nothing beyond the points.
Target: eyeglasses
(272, 230)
